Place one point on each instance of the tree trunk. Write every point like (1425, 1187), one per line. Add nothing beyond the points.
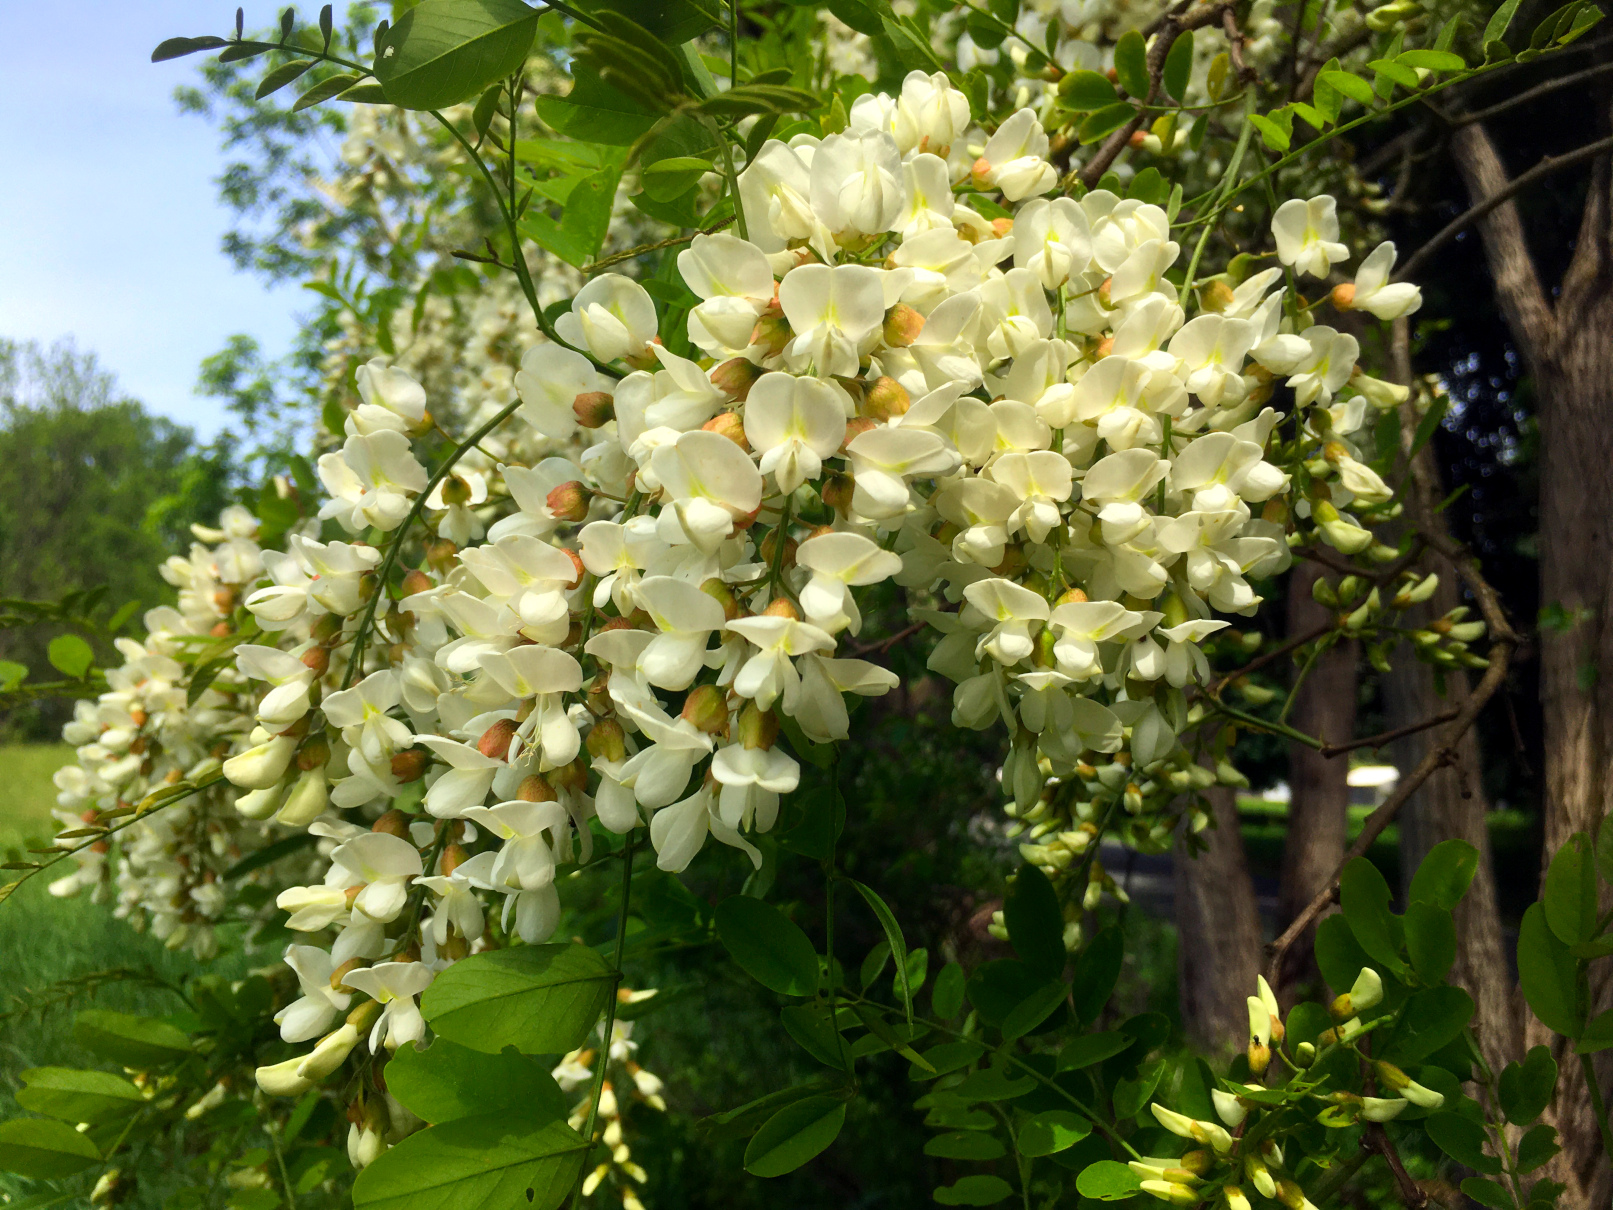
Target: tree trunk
(1569, 349)
(1451, 805)
(1318, 807)
(1218, 941)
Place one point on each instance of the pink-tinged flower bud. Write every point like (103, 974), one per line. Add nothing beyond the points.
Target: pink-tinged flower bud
(573, 777)
(535, 789)
(706, 708)
(724, 596)
(393, 823)
(770, 550)
(837, 491)
(902, 326)
(1104, 297)
(316, 660)
(1002, 228)
(1342, 295)
(569, 501)
(758, 728)
(314, 753)
(783, 607)
(594, 409)
(736, 376)
(980, 171)
(495, 741)
(607, 740)
(856, 427)
(771, 333)
(886, 399)
(729, 425)
(440, 554)
(411, 765)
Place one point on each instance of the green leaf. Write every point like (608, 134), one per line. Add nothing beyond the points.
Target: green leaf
(447, 1081)
(78, 1096)
(965, 1145)
(1273, 135)
(794, 1135)
(12, 674)
(1526, 1087)
(1131, 64)
(70, 655)
(1430, 940)
(1310, 114)
(325, 90)
(175, 48)
(992, 1084)
(281, 76)
(1349, 85)
(1130, 1095)
(1604, 848)
(365, 92)
(1548, 974)
(946, 997)
(1432, 1020)
(203, 675)
(442, 52)
(1179, 66)
(893, 938)
(493, 1161)
(674, 176)
(887, 1036)
(1035, 922)
(540, 999)
(1097, 970)
(1536, 1147)
(1598, 1034)
(1364, 898)
(859, 16)
(1107, 1181)
(1327, 99)
(1496, 29)
(1051, 1132)
(811, 1027)
(1463, 1140)
(138, 1042)
(44, 1150)
(1487, 1193)
(768, 946)
(1339, 955)
(1570, 891)
(1086, 91)
(977, 1190)
(1432, 60)
(1090, 1049)
(1105, 121)
(1393, 69)
(947, 1057)
(1445, 874)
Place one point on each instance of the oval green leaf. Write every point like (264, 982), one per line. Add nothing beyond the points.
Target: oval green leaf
(44, 1150)
(794, 1135)
(442, 52)
(1131, 64)
(1035, 921)
(1548, 974)
(78, 1096)
(975, 1190)
(540, 999)
(138, 1042)
(1107, 1181)
(767, 946)
(1051, 1132)
(1570, 893)
(447, 1081)
(1445, 874)
(965, 1145)
(70, 655)
(490, 1160)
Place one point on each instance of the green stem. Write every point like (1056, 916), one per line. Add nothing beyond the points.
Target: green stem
(1293, 692)
(367, 622)
(610, 1007)
(1600, 1109)
(1227, 180)
(280, 1161)
(730, 173)
(1250, 720)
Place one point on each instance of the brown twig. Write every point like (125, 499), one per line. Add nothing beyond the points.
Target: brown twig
(1384, 737)
(1276, 653)
(617, 258)
(885, 645)
(1410, 1191)
(1529, 94)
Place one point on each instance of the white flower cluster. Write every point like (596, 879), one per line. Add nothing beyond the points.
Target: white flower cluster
(894, 378)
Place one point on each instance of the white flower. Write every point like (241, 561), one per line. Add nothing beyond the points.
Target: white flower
(857, 183)
(834, 311)
(393, 985)
(752, 780)
(1210, 351)
(733, 278)
(612, 316)
(1373, 292)
(383, 865)
(1307, 235)
(311, 1015)
(685, 617)
(839, 561)
(930, 114)
(1326, 367)
(769, 674)
(361, 713)
(1015, 158)
(1010, 610)
(1052, 240)
(549, 381)
(794, 423)
(371, 480)
(391, 399)
(711, 484)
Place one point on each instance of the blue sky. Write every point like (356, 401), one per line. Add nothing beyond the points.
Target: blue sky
(109, 228)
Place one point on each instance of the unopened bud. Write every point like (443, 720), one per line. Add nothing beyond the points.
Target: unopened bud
(452, 858)
(902, 326)
(594, 409)
(706, 709)
(411, 765)
(535, 789)
(783, 607)
(730, 426)
(1290, 1194)
(1215, 295)
(758, 728)
(569, 501)
(339, 975)
(495, 741)
(1103, 294)
(770, 550)
(886, 399)
(837, 491)
(1342, 295)
(317, 659)
(572, 777)
(362, 1017)
(393, 823)
(1304, 1054)
(1259, 1055)
(856, 427)
(607, 741)
(314, 753)
(736, 376)
(772, 333)
(455, 490)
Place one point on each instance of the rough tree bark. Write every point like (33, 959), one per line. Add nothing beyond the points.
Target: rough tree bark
(1218, 941)
(1451, 804)
(1568, 347)
(1318, 807)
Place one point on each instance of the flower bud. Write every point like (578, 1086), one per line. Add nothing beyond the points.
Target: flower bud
(1215, 295)
(282, 1079)
(363, 1016)
(1228, 1108)
(1236, 1199)
(260, 804)
(594, 409)
(1259, 1175)
(1381, 1109)
(261, 766)
(770, 550)
(317, 660)
(706, 708)
(772, 333)
(1342, 295)
(364, 1146)
(1291, 1195)
(1170, 1191)
(902, 326)
(607, 741)
(837, 491)
(328, 1055)
(307, 800)
(1304, 1054)
(783, 607)
(569, 501)
(393, 823)
(758, 728)
(495, 741)
(736, 376)
(1259, 1056)
(885, 399)
(729, 425)
(535, 789)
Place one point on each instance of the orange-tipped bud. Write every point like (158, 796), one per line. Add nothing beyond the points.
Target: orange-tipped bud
(440, 554)
(569, 501)
(758, 728)
(1002, 228)
(856, 427)
(772, 333)
(736, 376)
(730, 426)
(1342, 295)
(1103, 295)
(706, 708)
(1071, 596)
(886, 399)
(536, 789)
(770, 549)
(838, 490)
(724, 596)
(415, 581)
(411, 765)
(573, 777)
(495, 741)
(607, 741)
(902, 326)
(452, 858)
(594, 409)
(782, 608)
(393, 823)
(314, 754)
(317, 659)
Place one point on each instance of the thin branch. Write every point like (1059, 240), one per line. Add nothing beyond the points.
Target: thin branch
(1410, 1192)
(1384, 737)
(885, 645)
(1547, 166)
(617, 258)
(1529, 94)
